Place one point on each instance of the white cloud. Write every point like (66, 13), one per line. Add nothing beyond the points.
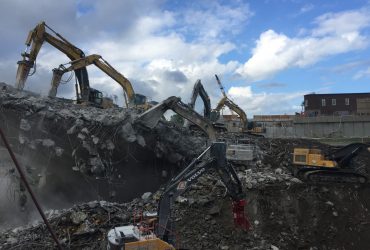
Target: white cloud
(306, 8)
(213, 20)
(362, 74)
(148, 44)
(265, 103)
(334, 34)
(244, 92)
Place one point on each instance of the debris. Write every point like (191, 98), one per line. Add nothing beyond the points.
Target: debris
(78, 217)
(146, 196)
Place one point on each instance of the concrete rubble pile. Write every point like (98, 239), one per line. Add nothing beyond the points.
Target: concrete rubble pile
(285, 212)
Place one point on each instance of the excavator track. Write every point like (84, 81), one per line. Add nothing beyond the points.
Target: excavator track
(319, 175)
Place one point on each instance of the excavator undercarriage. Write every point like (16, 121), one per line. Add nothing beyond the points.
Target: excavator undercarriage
(312, 165)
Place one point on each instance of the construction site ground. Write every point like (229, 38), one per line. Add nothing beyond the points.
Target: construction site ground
(92, 169)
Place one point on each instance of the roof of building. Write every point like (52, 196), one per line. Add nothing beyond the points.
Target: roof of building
(336, 94)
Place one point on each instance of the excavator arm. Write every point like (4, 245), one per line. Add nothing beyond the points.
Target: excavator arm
(104, 66)
(151, 117)
(199, 90)
(34, 42)
(225, 101)
(214, 157)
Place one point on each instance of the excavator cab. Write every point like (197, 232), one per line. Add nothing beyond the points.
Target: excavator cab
(140, 99)
(95, 97)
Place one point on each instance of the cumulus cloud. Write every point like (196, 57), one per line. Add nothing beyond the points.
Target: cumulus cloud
(143, 40)
(210, 19)
(265, 103)
(334, 34)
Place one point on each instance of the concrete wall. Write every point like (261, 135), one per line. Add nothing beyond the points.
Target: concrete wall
(324, 127)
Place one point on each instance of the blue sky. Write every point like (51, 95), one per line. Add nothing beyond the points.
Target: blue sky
(268, 53)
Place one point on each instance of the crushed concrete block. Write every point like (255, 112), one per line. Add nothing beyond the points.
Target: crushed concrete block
(128, 133)
(215, 210)
(22, 139)
(181, 199)
(48, 143)
(59, 151)
(95, 139)
(278, 171)
(329, 203)
(81, 136)
(110, 145)
(85, 130)
(24, 125)
(140, 140)
(146, 196)
(78, 217)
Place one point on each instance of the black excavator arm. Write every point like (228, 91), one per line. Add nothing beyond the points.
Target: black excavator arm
(344, 155)
(150, 118)
(199, 90)
(214, 157)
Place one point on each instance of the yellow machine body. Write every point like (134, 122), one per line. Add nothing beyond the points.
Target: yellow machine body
(149, 244)
(311, 157)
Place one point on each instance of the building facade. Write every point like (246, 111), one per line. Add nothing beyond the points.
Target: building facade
(337, 104)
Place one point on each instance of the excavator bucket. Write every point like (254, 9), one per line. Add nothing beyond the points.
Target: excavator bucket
(240, 220)
(23, 71)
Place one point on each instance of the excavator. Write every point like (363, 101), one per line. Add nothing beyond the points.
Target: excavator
(225, 101)
(310, 164)
(214, 157)
(150, 118)
(137, 100)
(34, 41)
(249, 128)
(43, 33)
(198, 90)
(162, 236)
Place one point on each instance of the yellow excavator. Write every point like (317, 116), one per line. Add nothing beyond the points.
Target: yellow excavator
(43, 33)
(225, 101)
(34, 42)
(249, 128)
(311, 164)
(133, 99)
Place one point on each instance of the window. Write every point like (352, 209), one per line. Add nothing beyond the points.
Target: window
(346, 101)
(306, 103)
(333, 102)
(323, 102)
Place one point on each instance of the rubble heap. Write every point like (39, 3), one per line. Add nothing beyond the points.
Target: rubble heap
(285, 212)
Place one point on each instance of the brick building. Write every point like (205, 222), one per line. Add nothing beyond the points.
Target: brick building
(337, 104)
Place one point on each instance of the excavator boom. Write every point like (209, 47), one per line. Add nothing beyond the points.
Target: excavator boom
(199, 90)
(35, 40)
(151, 117)
(104, 66)
(214, 157)
(225, 101)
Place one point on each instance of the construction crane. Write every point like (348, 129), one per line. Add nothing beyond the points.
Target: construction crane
(310, 164)
(133, 99)
(214, 157)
